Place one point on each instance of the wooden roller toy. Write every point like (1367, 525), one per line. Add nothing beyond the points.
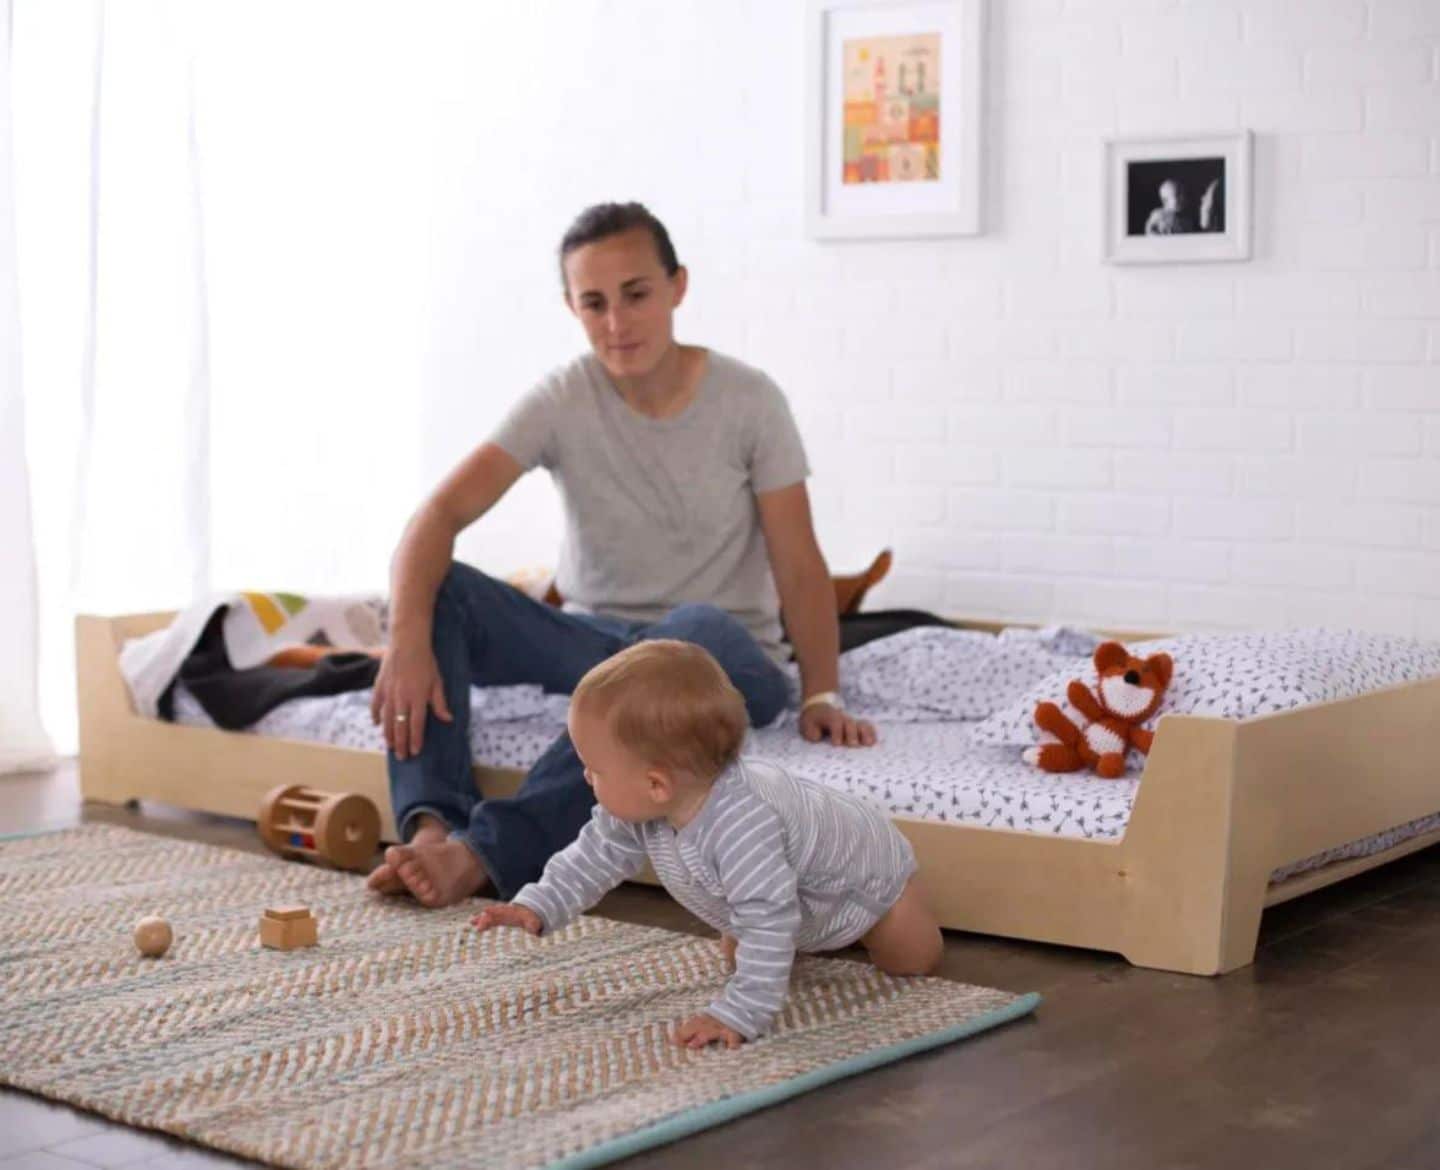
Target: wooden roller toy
(337, 828)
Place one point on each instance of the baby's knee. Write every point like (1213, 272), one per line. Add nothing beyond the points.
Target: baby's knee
(919, 955)
(907, 940)
(932, 953)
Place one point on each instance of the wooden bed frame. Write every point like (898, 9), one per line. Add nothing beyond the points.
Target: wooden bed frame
(1222, 804)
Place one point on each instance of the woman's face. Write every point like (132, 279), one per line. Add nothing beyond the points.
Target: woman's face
(622, 295)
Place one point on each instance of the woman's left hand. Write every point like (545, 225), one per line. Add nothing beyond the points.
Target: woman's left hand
(823, 720)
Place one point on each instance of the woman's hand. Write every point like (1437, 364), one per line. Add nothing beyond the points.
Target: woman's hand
(408, 684)
(507, 914)
(821, 720)
(698, 1031)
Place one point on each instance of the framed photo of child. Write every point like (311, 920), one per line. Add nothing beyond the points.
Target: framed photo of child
(1173, 200)
(893, 118)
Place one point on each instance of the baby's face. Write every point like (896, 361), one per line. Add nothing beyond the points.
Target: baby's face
(625, 785)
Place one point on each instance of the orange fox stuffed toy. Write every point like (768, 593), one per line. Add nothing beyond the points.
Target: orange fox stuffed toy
(1129, 692)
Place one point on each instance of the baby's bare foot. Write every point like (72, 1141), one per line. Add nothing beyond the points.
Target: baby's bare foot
(437, 873)
(384, 880)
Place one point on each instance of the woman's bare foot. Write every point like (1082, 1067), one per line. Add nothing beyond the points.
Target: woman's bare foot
(437, 873)
(383, 879)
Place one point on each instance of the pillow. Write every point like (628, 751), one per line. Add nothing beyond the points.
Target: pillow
(1240, 676)
(933, 673)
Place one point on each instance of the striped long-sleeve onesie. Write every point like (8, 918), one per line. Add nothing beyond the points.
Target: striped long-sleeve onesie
(780, 864)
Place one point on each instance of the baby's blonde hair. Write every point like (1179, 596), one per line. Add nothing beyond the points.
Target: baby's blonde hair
(670, 704)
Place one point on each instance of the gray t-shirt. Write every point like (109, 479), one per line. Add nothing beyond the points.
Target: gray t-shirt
(659, 512)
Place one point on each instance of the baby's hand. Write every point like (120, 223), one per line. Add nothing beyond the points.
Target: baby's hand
(698, 1031)
(508, 914)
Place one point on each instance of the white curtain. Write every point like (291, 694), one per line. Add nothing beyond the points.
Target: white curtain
(23, 743)
(222, 220)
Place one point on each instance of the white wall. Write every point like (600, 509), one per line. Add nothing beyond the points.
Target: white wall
(1038, 435)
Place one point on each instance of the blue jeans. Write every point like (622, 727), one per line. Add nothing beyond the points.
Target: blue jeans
(488, 633)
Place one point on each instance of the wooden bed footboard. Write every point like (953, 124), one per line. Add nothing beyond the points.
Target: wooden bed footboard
(1221, 805)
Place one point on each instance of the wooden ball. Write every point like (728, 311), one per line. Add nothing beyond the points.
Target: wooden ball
(153, 936)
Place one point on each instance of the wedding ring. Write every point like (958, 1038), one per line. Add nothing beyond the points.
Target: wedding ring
(401, 718)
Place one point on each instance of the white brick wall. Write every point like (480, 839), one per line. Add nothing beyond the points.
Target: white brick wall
(1038, 435)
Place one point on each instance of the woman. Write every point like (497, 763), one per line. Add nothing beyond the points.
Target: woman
(682, 476)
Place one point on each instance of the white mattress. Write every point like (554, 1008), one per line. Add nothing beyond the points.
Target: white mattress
(927, 770)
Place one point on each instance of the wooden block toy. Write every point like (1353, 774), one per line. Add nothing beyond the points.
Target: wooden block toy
(286, 927)
(153, 936)
(338, 828)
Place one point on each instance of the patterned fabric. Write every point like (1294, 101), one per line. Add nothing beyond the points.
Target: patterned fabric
(255, 626)
(928, 770)
(936, 673)
(1240, 676)
(405, 1038)
(932, 771)
(776, 863)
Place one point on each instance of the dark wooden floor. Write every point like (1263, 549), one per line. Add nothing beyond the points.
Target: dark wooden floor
(1325, 1053)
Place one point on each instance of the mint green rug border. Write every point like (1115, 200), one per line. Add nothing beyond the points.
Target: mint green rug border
(45, 832)
(51, 829)
(718, 1112)
(682, 1125)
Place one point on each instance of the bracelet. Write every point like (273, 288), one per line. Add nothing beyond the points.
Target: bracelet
(829, 698)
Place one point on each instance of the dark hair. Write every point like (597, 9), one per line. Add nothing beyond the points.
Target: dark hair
(610, 219)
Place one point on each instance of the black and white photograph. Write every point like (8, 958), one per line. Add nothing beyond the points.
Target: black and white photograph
(1172, 197)
(1178, 200)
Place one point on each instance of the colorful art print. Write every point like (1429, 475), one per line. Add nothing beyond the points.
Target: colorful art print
(893, 131)
(892, 109)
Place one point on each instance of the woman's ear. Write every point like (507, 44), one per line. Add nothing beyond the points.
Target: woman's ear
(680, 283)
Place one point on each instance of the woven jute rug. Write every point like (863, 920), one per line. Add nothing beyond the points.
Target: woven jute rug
(405, 1038)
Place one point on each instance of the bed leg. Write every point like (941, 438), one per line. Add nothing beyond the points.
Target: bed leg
(1240, 926)
(1194, 865)
(1240, 936)
(1212, 935)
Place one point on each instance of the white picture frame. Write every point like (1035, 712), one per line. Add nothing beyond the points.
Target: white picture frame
(903, 199)
(1161, 200)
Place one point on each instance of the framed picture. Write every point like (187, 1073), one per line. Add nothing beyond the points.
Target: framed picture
(1171, 200)
(893, 118)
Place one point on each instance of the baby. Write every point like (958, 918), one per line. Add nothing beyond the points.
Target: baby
(773, 863)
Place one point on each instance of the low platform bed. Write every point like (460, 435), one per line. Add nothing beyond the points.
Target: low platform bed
(1221, 805)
